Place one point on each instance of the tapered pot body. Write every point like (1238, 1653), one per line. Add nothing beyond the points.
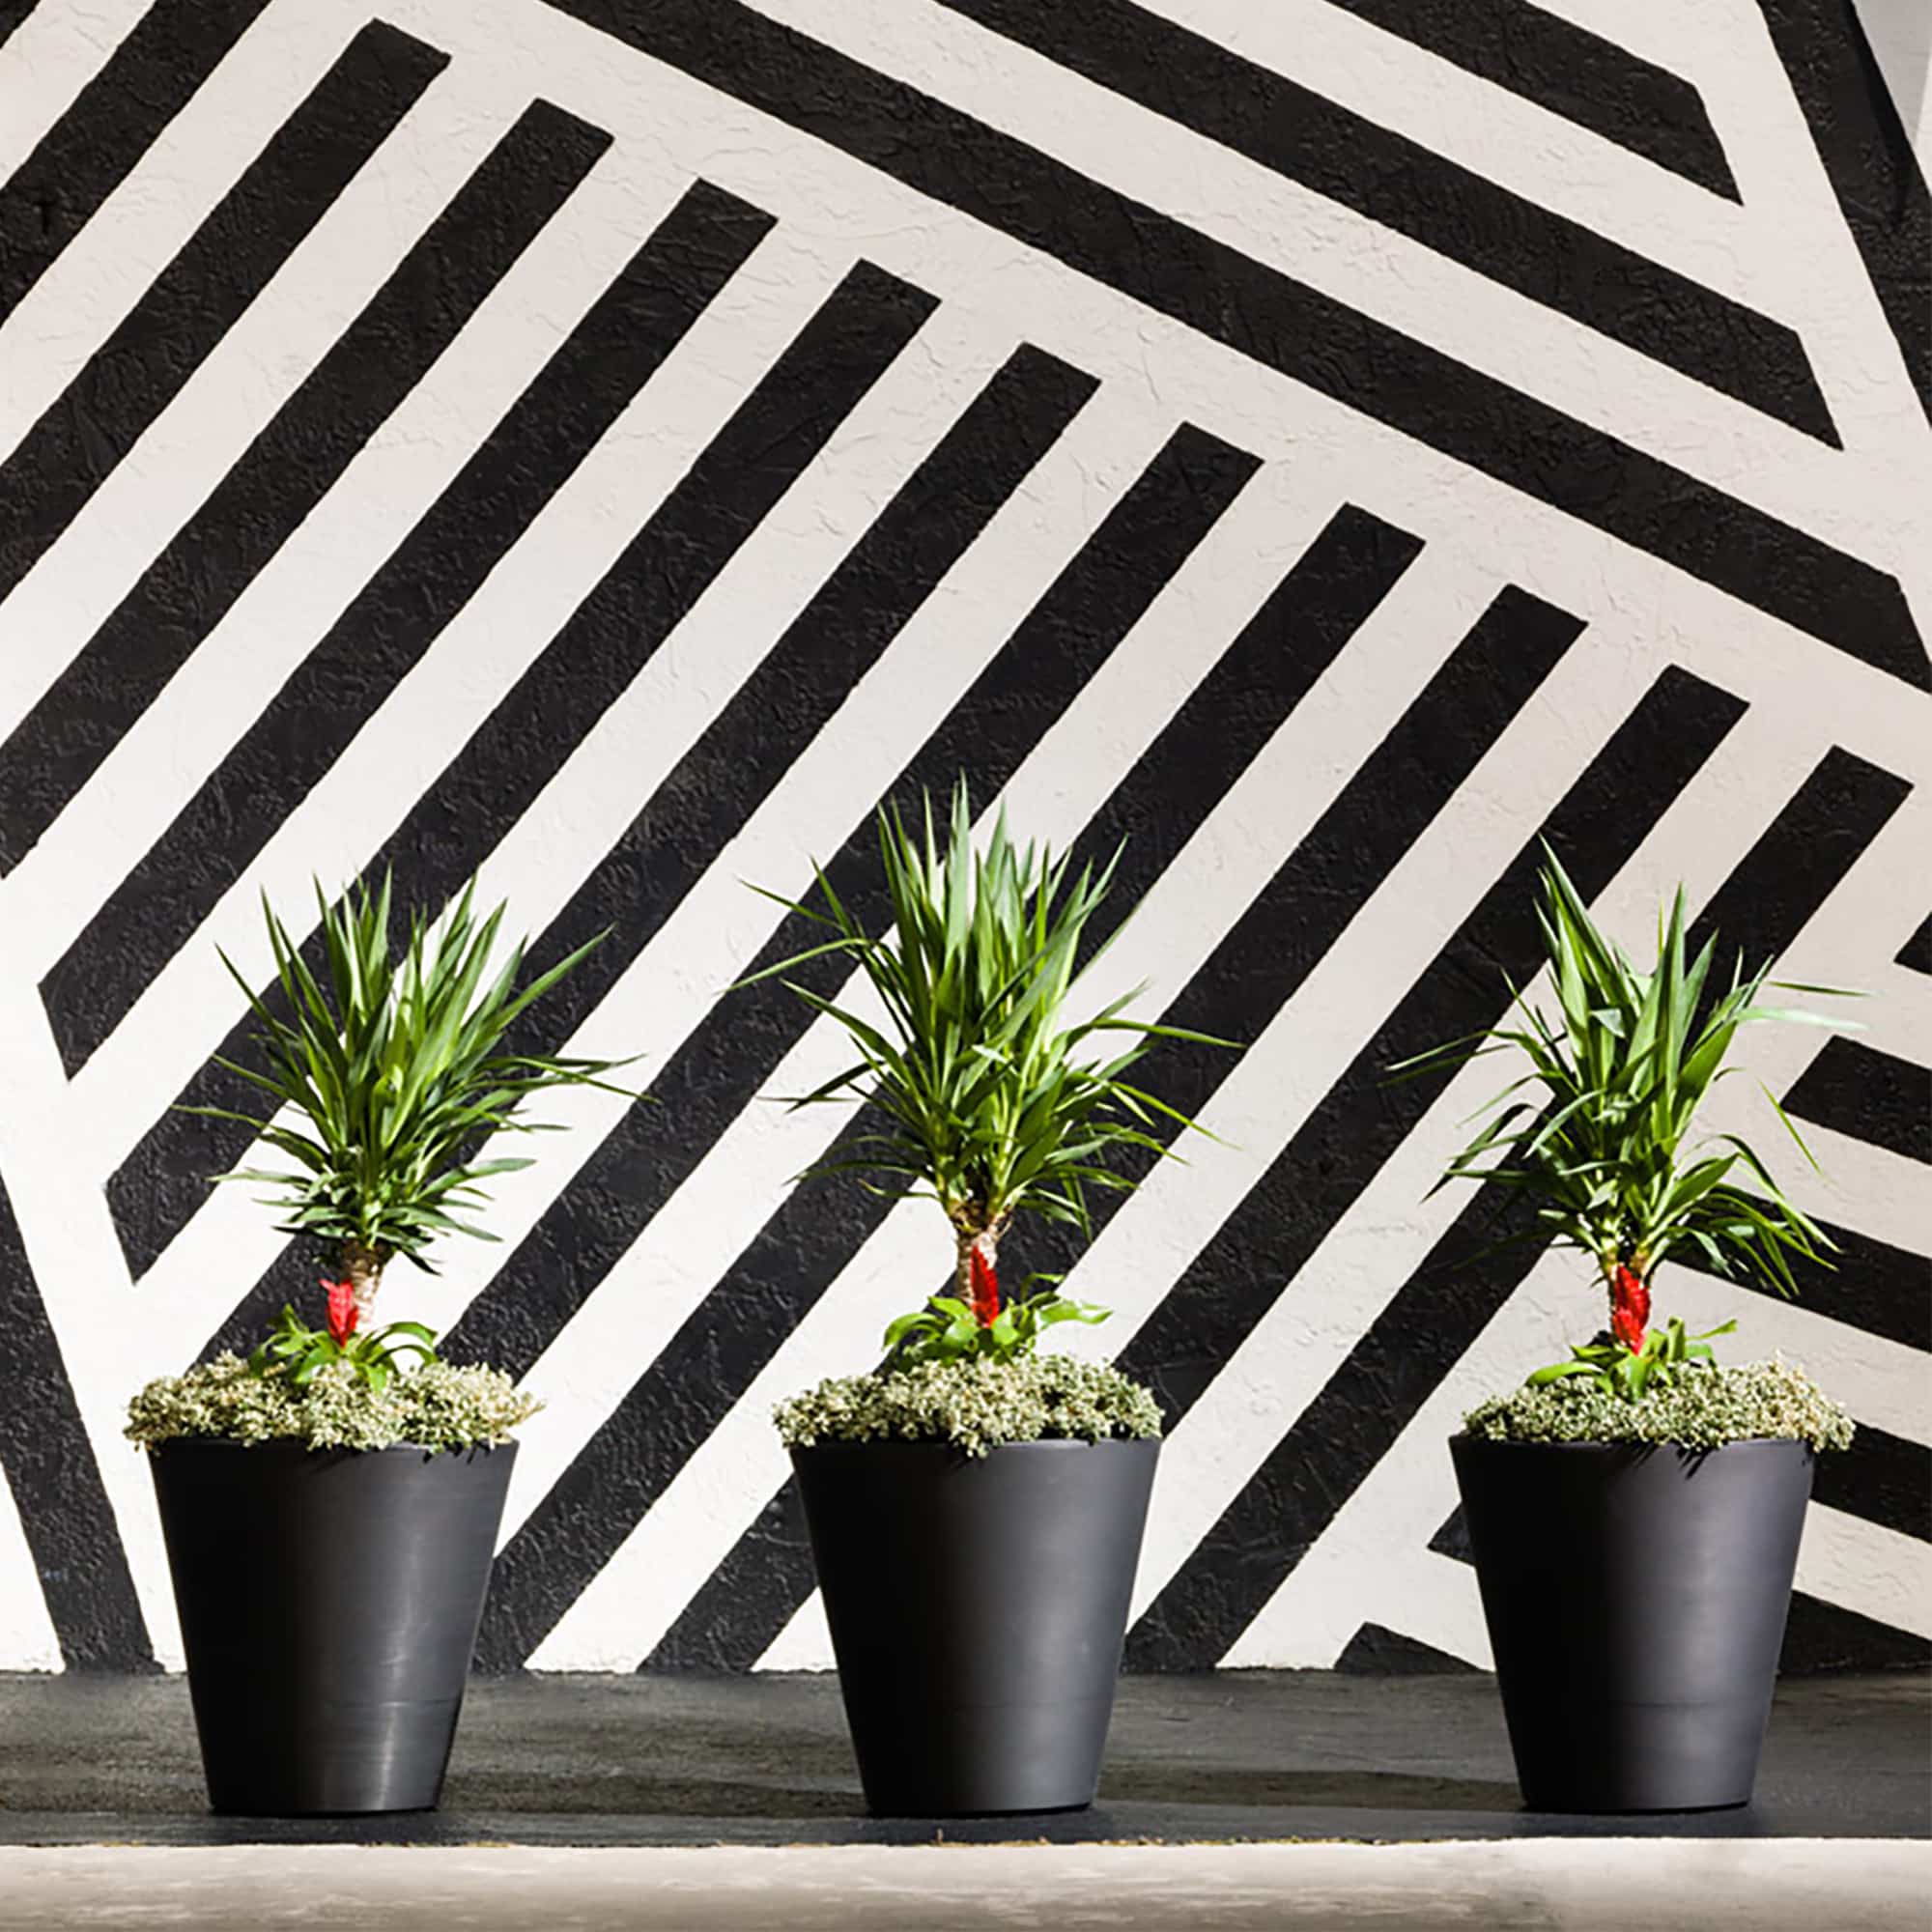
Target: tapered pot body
(978, 1606)
(1635, 1599)
(329, 1607)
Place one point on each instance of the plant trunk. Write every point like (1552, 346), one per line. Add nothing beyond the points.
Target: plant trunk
(362, 1270)
(981, 1296)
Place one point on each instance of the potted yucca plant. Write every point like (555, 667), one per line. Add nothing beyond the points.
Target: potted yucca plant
(330, 1504)
(975, 1506)
(1635, 1512)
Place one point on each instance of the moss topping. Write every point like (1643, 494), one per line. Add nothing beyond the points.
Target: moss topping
(436, 1407)
(976, 1404)
(1705, 1408)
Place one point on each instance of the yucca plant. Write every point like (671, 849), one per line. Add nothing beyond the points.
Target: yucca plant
(394, 1068)
(1607, 1153)
(993, 1104)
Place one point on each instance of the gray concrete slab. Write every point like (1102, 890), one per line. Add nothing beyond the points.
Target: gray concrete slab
(578, 1760)
(1794, 1886)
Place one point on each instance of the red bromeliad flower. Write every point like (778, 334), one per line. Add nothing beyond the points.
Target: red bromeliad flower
(1630, 1308)
(986, 1288)
(343, 1312)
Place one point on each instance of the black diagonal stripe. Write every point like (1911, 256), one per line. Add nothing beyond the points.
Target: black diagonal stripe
(1868, 159)
(1305, 137)
(1041, 668)
(1882, 1479)
(1051, 656)
(12, 14)
(202, 293)
(749, 1599)
(813, 385)
(848, 623)
(86, 153)
(1279, 322)
(49, 1466)
(1855, 1089)
(1869, 1285)
(1437, 1314)
(1297, 634)
(288, 468)
(1571, 71)
(1823, 1637)
(398, 614)
(1916, 952)
(796, 1255)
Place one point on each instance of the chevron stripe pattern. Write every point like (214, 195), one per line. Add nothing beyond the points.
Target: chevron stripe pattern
(1330, 447)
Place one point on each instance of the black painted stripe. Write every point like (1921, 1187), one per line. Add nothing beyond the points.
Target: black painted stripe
(1823, 1637)
(1882, 1479)
(848, 344)
(1570, 72)
(50, 1468)
(1280, 323)
(1869, 1285)
(86, 154)
(203, 292)
(288, 468)
(1916, 952)
(1376, 1651)
(1854, 1088)
(1295, 635)
(1434, 1319)
(1867, 155)
(748, 1599)
(1305, 137)
(1040, 669)
(399, 614)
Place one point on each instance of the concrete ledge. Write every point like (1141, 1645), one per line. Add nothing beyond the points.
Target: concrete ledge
(1543, 1887)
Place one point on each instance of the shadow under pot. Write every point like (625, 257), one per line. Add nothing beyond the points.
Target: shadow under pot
(1635, 1597)
(978, 1606)
(329, 1603)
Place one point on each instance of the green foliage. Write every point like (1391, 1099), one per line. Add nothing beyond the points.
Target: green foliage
(436, 1406)
(302, 1353)
(1702, 1410)
(946, 1329)
(1604, 1155)
(395, 1065)
(994, 1105)
(975, 1403)
(1665, 1354)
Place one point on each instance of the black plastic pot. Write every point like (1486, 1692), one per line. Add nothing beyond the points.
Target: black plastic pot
(977, 1607)
(1635, 1599)
(329, 1607)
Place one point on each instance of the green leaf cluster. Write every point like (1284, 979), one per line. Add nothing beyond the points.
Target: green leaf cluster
(1606, 1153)
(1627, 1374)
(394, 1065)
(946, 1329)
(372, 1355)
(994, 1105)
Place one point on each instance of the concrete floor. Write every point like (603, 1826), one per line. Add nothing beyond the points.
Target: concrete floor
(1536, 1885)
(615, 1761)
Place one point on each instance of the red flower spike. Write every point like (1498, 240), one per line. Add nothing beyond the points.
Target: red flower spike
(1630, 1308)
(986, 1288)
(343, 1313)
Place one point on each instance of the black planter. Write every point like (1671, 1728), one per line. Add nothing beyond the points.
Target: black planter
(1635, 1599)
(977, 1607)
(329, 1607)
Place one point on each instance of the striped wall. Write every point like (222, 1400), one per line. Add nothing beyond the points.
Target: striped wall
(610, 443)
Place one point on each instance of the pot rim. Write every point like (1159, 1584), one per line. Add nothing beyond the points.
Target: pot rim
(419, 1450)
(1633, 1445)
(930, 1444)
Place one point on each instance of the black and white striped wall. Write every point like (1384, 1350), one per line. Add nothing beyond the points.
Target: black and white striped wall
(610, 443)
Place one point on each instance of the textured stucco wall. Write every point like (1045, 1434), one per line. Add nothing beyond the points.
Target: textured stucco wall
(1329, 446)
